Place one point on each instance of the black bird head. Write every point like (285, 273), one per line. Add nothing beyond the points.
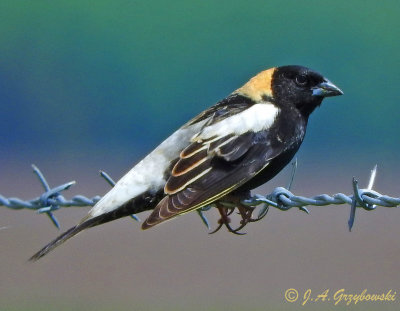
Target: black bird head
(301, 87)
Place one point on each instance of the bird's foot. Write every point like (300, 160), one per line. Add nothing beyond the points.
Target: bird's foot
(227, 207)
(225, 220)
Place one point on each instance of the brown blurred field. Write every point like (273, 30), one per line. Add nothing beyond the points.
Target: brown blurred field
(178, 266)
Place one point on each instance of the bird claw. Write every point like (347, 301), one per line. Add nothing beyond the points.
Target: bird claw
(225, 221)
(230, 212)
(236, 231)
(243, 210)
(230, 229)
(247, 212)
(258, 218)
(217, 229)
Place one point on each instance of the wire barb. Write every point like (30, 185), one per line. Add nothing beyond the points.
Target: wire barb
(358, 200)
(280, 198)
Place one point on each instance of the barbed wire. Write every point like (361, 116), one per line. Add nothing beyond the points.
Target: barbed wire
(280, 198)
(52, 199)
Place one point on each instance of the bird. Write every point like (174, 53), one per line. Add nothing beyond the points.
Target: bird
(219, 156)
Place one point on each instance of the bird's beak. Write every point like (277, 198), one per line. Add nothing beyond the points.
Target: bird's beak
(326, 89)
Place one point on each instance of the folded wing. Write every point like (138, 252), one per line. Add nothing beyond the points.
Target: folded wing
(212, 166)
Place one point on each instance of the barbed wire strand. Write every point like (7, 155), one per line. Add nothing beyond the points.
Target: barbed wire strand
(280, 198)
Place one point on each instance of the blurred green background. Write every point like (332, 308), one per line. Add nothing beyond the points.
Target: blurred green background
(86, 85)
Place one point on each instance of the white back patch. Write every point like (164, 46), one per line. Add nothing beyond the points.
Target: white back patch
(256, 118)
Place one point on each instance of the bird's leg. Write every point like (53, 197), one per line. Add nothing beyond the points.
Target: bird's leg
(224, 220)
(225, 210)
(226, 207)
(245, 212)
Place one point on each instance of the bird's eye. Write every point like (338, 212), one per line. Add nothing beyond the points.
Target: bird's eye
(301, 80)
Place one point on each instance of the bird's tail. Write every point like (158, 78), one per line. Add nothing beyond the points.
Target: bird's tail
(138, 204)
(70, 233)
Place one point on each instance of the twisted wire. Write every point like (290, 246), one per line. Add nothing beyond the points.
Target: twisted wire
(280, 198)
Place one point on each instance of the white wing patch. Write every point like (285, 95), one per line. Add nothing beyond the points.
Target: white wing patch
(148, 174)
(256, 118)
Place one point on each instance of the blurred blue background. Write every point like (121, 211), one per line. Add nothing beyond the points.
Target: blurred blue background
(78, 77)
(86, 85)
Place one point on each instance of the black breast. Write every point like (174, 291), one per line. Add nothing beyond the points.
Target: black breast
(284, 139)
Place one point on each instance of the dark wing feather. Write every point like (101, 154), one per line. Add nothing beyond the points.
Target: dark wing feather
(234, 103)
(229, 162)
(209, 154)
(235, 147)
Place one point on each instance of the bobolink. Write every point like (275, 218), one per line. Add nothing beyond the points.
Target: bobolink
(231, 148)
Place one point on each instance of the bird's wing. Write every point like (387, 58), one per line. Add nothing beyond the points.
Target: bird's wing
(226, 153)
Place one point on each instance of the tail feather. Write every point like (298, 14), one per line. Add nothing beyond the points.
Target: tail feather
(66, 236)
(138, 204)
